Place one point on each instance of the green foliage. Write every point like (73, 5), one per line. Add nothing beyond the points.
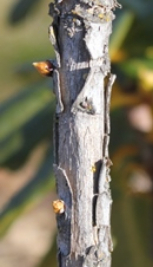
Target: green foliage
(24, 123)
(141, 8)
(21, 9)
(132, 61)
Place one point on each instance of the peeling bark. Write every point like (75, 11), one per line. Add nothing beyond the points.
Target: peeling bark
(82, 82)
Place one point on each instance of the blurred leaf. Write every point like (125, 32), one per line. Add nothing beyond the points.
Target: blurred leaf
(17, 111)
(25, 69)
(10, 146)
(121, 28)
(140, 7)
(122, 134)
(16, 148)
(132, 66)
(25, 120)
(146, 78)
(122, 168)
(21, 108)
(133, 215)
(50, 258)
(122, 99)
(124, 152)
(139, 37)
(21, 9)
(32, 192)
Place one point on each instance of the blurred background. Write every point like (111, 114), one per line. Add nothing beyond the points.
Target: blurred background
(27, 186)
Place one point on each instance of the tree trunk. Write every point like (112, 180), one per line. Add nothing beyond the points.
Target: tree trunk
(82, 83)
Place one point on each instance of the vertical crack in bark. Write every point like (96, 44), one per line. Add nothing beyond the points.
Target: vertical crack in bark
(64, 191)
(56, 139)
(98, 166)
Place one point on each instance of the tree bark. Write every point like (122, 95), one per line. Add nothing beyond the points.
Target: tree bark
(82, 83)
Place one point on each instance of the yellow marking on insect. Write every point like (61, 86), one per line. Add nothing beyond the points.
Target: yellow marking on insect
(59, 206)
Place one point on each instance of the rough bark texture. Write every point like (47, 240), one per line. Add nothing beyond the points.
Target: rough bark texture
(82, 82)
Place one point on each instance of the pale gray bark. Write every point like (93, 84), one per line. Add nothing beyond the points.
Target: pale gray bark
(83, 81)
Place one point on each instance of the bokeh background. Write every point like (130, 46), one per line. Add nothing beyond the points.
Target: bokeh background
(27, 186)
